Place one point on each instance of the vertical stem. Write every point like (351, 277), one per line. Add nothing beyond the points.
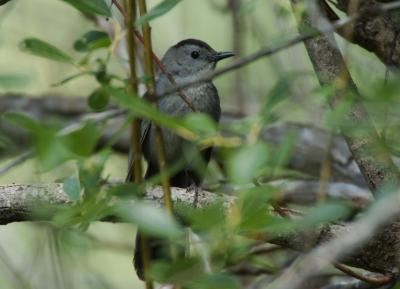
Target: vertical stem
(237, 28)
(136, 134)
(151, 85)
(151, 90)
(136, 147)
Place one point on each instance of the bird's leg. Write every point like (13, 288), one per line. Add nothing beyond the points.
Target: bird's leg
(197, 190)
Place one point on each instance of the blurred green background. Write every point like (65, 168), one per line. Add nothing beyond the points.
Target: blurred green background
(106, 259)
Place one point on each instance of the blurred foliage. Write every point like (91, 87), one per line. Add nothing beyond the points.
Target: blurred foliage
(278, 90)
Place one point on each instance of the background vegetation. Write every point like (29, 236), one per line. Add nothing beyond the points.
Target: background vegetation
(74, 249)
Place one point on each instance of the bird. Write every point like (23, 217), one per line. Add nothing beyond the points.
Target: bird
(185, 61)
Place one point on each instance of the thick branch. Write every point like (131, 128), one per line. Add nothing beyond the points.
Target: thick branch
(378, 33)
(379, 254)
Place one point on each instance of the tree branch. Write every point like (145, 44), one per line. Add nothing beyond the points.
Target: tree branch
(380, 254)
(379, 33)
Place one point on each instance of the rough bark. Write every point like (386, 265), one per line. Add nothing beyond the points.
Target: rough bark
(376, 32)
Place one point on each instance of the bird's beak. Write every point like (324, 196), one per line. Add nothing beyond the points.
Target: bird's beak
(222, 55)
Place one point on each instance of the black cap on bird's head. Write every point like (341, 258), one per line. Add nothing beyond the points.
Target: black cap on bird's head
(192, 56)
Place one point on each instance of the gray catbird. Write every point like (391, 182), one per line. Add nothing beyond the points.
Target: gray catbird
(185, 61)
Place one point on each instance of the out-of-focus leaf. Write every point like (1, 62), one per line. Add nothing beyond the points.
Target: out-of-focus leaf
(126, 190)
(99, 99)
(91, 6)
(142, 108)
(279, 156)
(50, 149)
(245, 163)
(213, 281)
(5, 142)
(391, 138)
(54, 148)
(151, 220)
(200, 123)
(73, 188)
(208, 218)
(75, 239)
(91, 41)
(90, 171)
(254, 206)
(43, 49)
(22, 120)
(83, 140)
(13, 80)
(177, 272)
(322, 214)
(157, 11)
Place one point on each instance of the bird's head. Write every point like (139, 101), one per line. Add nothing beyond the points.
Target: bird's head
(191, 58)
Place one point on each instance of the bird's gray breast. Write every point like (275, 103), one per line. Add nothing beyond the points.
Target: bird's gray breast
(204, 97)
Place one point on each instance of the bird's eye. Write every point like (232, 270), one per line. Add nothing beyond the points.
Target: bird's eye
(195, 54)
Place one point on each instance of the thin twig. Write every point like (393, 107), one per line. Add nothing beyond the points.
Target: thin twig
(381, 280)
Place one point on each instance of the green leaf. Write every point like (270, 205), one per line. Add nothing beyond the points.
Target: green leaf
(83, 140)
(157, 11)
(151, 220)
(208, 218)
(177, 272)
(91, 6)
(91, 41)
(43, 49)
(22, 120)
(54, 148)
(144, 109)
(215, 280)
(73, 188)
(323, 214)
(246, 162)
(200, 123)
(90, 172)
(253, 204)
(126, 190)
(99, 99)
(51, 150)
(13, 80)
